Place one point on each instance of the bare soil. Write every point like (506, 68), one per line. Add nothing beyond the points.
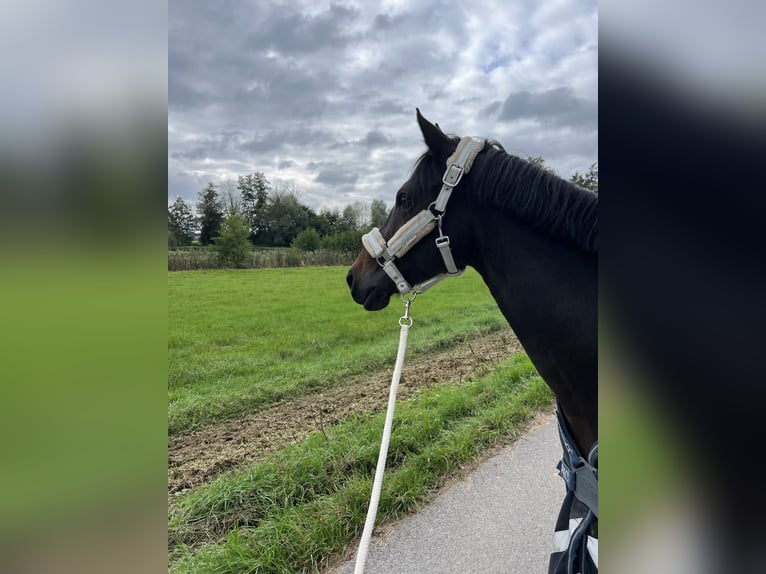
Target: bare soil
(225, 447)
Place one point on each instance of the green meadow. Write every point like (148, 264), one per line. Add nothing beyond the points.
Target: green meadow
(243, 339)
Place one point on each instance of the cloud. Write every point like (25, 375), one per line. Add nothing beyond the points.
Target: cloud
(491, 109)
(556, 107)
(291, 32)
(336, 177)
(324, 93)
(375, 138)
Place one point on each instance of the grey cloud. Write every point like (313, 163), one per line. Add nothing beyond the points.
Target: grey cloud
(230, 66)
(333, 177)
(557, 107)
(375, 138)
(383, 22)
(270, 141)
(274, 140)
(296, 33)
(491, 109)
(435, 92)
(387, 106)
(196, 153)
(206, 148)
(279, 89)
(424, 16)
(285, 163)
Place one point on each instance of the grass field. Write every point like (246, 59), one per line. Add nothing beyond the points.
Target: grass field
(242, 341)
(308, 502)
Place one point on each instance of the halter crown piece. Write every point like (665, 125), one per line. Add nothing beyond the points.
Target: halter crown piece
(409, 234)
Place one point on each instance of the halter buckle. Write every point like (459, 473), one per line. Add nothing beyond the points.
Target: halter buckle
(453, 175)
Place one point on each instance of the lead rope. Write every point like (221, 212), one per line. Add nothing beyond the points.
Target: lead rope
(405, 322)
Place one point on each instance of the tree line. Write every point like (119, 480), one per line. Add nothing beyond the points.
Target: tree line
(234, 216)
(252, 212)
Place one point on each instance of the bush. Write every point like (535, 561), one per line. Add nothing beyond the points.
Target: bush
(347, 241)
(307, 240)
(232, 245)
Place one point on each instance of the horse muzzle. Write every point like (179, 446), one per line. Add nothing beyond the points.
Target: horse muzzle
(369, 286)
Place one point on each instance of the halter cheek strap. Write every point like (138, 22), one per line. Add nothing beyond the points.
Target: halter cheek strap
(458, 164)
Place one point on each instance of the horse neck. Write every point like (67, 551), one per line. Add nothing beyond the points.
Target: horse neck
(546, 289)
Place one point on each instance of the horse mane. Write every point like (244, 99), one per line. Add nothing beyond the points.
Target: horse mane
(549, 203)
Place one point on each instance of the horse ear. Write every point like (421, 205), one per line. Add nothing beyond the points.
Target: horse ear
(440, 145)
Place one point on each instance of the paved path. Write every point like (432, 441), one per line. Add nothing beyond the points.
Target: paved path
(499, 519)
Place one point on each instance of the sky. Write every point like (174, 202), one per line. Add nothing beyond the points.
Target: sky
(323, 95)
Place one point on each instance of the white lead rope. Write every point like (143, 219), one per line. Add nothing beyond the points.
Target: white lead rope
(405, 323)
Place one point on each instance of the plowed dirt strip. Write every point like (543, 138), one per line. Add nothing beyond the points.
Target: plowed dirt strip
(202, 455)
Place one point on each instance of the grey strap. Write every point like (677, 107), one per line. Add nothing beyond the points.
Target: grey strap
(458, 164)
(401, 283)
(442, 243)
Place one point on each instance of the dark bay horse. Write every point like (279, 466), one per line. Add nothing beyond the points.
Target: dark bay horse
(533, 238)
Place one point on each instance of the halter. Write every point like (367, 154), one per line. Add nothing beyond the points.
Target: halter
(409, 234)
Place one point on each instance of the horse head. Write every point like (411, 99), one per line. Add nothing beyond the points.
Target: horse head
(417, 226)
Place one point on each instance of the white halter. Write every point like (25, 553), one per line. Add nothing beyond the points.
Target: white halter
(458, 164)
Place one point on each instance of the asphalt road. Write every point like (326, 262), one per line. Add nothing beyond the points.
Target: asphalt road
(499, 519)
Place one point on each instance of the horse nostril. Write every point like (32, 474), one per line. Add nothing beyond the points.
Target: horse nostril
(349, 279)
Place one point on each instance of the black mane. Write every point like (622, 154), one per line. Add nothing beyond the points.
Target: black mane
(548, 202)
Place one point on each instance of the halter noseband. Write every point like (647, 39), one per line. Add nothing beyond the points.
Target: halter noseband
(409, 234)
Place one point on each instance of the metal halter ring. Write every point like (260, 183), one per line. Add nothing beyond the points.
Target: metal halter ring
(408, 300)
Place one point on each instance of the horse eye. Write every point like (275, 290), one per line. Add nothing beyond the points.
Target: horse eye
(403, 201)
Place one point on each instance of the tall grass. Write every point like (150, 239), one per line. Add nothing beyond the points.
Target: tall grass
(191, 259)
(240, 340)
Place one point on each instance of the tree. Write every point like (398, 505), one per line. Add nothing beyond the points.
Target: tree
(349, 241)
(210, 214)
(589, 180)
(378, 213)
(182, 225)
(230, 197)
(355, 216)
(326, 222)
(232, 244)
(307, 240)
(540, 162)
(284, 217)
(254, 191)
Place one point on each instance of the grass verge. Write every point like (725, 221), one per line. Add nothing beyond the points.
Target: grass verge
(294, 511)
(242, 340)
